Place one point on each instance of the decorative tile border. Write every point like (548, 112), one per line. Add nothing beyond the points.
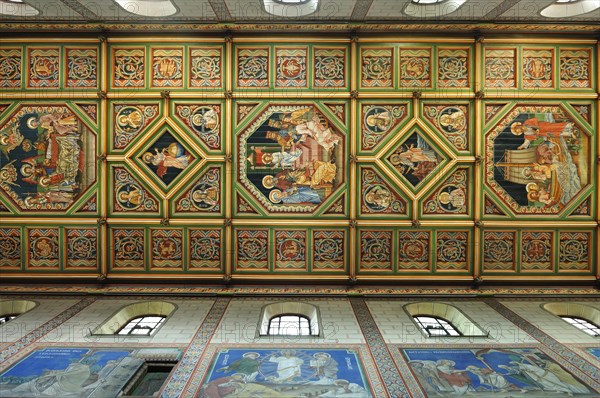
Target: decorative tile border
(181, 384)
(329, 291)
(43, 330)
(570, 359)
(392, 378)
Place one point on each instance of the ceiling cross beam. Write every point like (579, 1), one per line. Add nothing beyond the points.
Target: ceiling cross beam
(361, 9)
(500, 9)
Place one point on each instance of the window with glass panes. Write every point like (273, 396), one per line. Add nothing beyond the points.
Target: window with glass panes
(142, 326)
(583, 324)
(434, 326)
(6, 318)
(289, 325)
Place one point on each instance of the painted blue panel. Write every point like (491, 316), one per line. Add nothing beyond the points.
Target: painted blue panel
(595, 352)
(514, 371)
(285, 373)
(69, 372)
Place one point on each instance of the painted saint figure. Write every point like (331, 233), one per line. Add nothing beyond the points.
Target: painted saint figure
(172, 156)
(288, 366)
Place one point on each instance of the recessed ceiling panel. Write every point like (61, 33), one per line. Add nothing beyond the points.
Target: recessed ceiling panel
(254, 9)
(531, 10)
(52, 9)
(110, 10)
(396, 9)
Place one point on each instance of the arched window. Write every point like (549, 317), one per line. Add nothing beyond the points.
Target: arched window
(148, 8)
(569, 8)
(584, 317)
(291, 8)
(11, 309)
(139, 319)
(289, 319)
(432, 8)
(434, 326)
(443, 320)
(289, 325)
(142, 326)
(6, 318)
(583, 324)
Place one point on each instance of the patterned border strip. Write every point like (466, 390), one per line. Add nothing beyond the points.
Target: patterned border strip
(392, 379)
(573, 362)
(181, 383)
(340, 291)
(44, 329)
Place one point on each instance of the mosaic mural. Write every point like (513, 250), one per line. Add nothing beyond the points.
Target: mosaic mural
(343, 158)
(518, 372)
(284, 372)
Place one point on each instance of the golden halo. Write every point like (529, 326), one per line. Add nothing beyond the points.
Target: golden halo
(268, 181)
(444, 198)
(274, 196)
(514, 126)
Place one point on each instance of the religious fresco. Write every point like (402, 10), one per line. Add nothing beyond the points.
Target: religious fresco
(486, 372)
(48, 157)
(595, 352)
(378, 121)
(167, 158)
(291, 158)
(76, 372)
(537, 159)
(415, 159)
(452, 121)
(284, 372)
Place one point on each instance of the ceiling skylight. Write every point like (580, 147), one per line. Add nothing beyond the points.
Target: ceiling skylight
(432, 8)
(17, 8)
(570, 8)
(148, 8)
(291, 8)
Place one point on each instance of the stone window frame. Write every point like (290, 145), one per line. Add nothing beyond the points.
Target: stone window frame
(306, 310)
(115, 322)
(16, 308)
(576, 310)
(466, 326)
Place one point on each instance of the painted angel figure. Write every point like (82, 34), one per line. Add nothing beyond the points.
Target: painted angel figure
(172, 156)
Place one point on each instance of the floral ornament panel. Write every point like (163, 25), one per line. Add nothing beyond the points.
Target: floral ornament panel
(291, 68)
(82, 67)
(585, 111)
(452, 251)
(10, 67)
(500, 67)
(452, 197)
(290, 250)
(291, 159)
(167, 67)
(50, 158)
(575, 251)
(44, 67)
(377, 67)
(82, 247)
(375, 250)
(330, 67)
(575, 68)
(204, 120)
(252, 249)
(206, 67)
(492, 110)
(453, 67)
(90, 109)
(377, 196)
(329, 248)
(415, 67)
(167, 249)
(253, 67)
(537, 159)
(452, 121)
(536, 251)
(128, 67)
(205, 249)
(130, 120)
(128, 248)
(584, 209)
(43, 248)
(538, 71)
(167, 158)
(414, 250)
(130, 195)
(499, 250)
(10, 247)
(204, 196)
(90, 206)
(378, 121)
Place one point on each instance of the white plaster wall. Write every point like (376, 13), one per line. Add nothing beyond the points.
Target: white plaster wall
(241, 320)
(397, 327)
(179, 328)
(46, 310)
(558, 329)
